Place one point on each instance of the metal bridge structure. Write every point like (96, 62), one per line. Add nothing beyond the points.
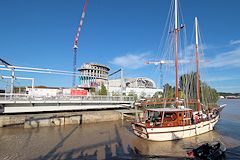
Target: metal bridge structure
(24, 103)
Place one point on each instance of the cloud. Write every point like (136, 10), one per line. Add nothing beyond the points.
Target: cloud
(131, 61)
(222, 78)
(226, 59)
(234, 42)
(230, 87)
(189, 54)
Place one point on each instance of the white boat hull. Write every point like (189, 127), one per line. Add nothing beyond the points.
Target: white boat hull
(173, 133)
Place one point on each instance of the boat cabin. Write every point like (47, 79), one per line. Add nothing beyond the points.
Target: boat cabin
(168, 117)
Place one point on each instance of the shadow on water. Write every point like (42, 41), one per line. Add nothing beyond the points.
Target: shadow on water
(59, 145)
(113, 149)
(29, 136)
(233, 153)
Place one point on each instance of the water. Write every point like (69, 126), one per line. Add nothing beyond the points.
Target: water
(113, 140)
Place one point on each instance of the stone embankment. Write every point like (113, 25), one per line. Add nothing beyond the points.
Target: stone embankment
(58, 119)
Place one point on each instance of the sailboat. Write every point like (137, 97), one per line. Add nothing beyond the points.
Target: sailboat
(178, 121)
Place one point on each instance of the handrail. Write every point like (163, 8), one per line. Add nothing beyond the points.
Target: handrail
(27, 97)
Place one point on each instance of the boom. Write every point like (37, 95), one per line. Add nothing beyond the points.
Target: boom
(75, 46)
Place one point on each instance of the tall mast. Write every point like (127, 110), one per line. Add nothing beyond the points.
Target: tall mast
(197, 66)
(176, 49)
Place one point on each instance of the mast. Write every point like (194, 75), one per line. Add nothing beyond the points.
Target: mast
(197, 66)
(176, 50)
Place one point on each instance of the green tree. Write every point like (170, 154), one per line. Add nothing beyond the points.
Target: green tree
(158, 94)
(132, 93)
(188, 85)
(209, 95)
(115, 93)
(103, 90)
(168, 91)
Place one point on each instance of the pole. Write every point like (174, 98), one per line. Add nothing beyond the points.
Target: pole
(197, 66)
(176, 51)
(121, 83)
(33, 83)
(74, 66)
(12, 81)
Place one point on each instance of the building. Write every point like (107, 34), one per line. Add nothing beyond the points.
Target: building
(44, 91)
(141, 86)
(93, 75)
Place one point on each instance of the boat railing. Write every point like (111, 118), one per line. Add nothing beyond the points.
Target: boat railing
(27, 97)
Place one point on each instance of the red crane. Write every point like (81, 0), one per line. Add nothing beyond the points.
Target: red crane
(75, 46)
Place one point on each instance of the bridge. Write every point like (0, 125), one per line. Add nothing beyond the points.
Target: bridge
(24, 103)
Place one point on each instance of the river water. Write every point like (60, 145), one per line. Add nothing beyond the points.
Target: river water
(113, 140)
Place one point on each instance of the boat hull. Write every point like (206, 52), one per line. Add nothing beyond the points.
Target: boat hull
(173, 133)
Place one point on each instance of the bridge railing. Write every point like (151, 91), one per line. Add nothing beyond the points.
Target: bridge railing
(27, 97)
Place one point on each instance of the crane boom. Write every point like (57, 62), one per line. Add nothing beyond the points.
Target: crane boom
(75, 46)
(80, 25)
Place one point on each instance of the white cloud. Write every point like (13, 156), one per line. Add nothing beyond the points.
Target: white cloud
(222, 78)
(234, 42)
(230, 87)
(131, 61)
(229, 59)
(189, 54)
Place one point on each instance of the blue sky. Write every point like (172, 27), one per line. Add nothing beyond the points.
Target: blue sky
(119, 33)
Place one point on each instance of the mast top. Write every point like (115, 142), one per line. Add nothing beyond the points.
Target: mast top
(176, 14)
(196, 29)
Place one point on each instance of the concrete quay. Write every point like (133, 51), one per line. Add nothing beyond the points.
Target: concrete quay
(58, 119)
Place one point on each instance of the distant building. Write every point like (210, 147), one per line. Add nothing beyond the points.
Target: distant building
(43, 91)
(232, 97)
(93, 75)
(141, 86)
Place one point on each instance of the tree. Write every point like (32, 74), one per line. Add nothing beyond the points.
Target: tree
(158, 94)
(168, 91)
(115, 93)
(210, 95)
(132, 93)
(188, 85)
(103, 90)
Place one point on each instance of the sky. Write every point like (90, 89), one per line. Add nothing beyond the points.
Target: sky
(117, 33)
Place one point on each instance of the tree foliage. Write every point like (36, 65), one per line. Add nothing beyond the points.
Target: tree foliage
(158, 94)
(103, 90)
(188, 85)
(188, 89)
(168, 91)
(132, 93)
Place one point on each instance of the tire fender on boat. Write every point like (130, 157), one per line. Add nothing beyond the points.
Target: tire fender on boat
(196, 130)
(210, 126)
